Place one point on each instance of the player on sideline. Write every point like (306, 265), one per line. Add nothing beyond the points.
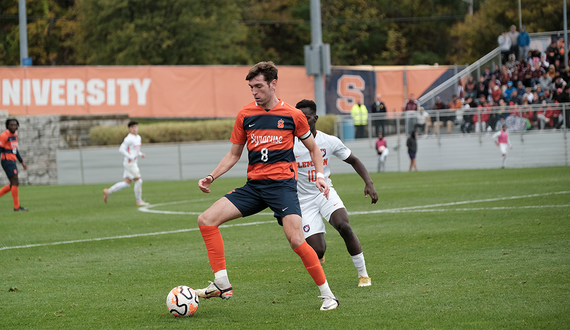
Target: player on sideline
(314, 205)
(502, 140)
(8, 154)
(268, 126)
(131, 149)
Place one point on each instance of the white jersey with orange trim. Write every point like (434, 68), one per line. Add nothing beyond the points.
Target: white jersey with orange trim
(131, 148)
(329, 145)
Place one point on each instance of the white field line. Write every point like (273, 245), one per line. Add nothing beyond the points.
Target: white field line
(423, 208)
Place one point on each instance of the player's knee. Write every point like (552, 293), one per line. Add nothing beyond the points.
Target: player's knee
(345, 230)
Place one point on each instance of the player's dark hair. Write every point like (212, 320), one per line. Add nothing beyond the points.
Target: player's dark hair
(267, 69)
(12, 119)
(307, 104)
(132, 123)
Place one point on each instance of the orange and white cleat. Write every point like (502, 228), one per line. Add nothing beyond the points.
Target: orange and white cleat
(213, 291)
(142, 203)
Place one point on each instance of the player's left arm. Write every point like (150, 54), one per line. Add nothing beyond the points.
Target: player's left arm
(359, 167)
(317, 159)
(21, 160)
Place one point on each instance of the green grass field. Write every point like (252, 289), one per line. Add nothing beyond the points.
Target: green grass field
(484, 249)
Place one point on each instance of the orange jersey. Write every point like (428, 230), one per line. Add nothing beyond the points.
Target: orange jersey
(9, 145)
(270, 137)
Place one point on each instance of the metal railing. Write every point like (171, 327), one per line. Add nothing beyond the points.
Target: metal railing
(522, 119)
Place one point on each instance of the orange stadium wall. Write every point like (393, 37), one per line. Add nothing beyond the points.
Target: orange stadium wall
(195, 91)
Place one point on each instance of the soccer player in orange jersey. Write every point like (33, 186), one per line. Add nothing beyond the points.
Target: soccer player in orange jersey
(9, 153)
(268, 127)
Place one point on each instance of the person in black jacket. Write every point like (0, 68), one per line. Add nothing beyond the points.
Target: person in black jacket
(412, 144)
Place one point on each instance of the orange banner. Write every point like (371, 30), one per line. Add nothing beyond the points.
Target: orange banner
(140, 91)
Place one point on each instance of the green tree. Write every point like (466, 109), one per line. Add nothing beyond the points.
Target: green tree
(151, 32)
(49, 32)
(477, 35)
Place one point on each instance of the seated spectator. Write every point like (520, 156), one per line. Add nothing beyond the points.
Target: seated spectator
(467, 119)
(510, 89)
(558, 87)
(482, 88)
(496, 94)
(454, 105)
(526, 73)
(541, 117)
(481, 118)
(544, 62)
(552, 52)
(487, 74)
(505, 76)
(511, 63)
(537, 73)
(470, 89)
(548, 96)
(564, 97)
(546, 80)
(443, 119)
(554, 115)
(521, 89)
(528, 114)
(515, 77)
(528, 95)
(539, 91)
(502, 112)
(513, 98)
(423, 122)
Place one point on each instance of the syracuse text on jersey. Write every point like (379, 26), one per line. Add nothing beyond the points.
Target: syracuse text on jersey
(257, 139)
(73, 91)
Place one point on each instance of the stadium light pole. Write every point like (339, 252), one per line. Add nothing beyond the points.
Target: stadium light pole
(565, 36)
(317, 57)
(23, 21)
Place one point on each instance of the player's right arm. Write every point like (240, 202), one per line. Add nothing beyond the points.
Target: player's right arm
(124, 149)
(229, 160)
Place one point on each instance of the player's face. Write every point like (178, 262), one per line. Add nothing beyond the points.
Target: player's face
(12, 126)
(134, 129)
(261, 90)
(311, 117)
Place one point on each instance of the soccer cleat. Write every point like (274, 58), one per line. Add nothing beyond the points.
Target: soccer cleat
(20, 209)
(364, 281)
(213, 291)
(329, 303)
(105, 194)
(142, 203)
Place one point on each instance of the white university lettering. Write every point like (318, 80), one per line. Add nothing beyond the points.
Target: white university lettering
(73, 91)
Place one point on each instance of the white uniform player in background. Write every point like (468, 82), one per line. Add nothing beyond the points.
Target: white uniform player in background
(314, 205)
(131, 149)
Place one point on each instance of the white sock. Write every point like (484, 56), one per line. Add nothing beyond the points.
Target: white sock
(118, 186)
(138, 190)
(359, 264)
(221, 279)
(325, 290)
(505, 161)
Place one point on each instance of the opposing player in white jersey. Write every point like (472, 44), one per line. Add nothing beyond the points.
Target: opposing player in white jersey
(131, 149)
(314, 205)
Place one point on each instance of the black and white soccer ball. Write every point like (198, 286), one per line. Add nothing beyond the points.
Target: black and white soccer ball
(182, 301)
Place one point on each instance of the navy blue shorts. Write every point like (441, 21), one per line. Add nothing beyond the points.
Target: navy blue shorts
(10, 168)
(412, 155)
(280, 196)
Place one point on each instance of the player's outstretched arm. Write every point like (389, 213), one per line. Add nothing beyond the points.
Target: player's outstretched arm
(229, 160)
(317, 159)
(359, 167)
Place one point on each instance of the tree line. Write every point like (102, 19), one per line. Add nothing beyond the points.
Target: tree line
(243, 32)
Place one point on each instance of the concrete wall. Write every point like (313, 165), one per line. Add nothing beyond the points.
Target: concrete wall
(40, 138)
(191, 161)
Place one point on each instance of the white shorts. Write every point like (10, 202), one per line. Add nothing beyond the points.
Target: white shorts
(504, 148)
(131, 171)
(314, 209)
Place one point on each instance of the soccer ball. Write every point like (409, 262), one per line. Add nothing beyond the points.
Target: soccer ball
(182, 301)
